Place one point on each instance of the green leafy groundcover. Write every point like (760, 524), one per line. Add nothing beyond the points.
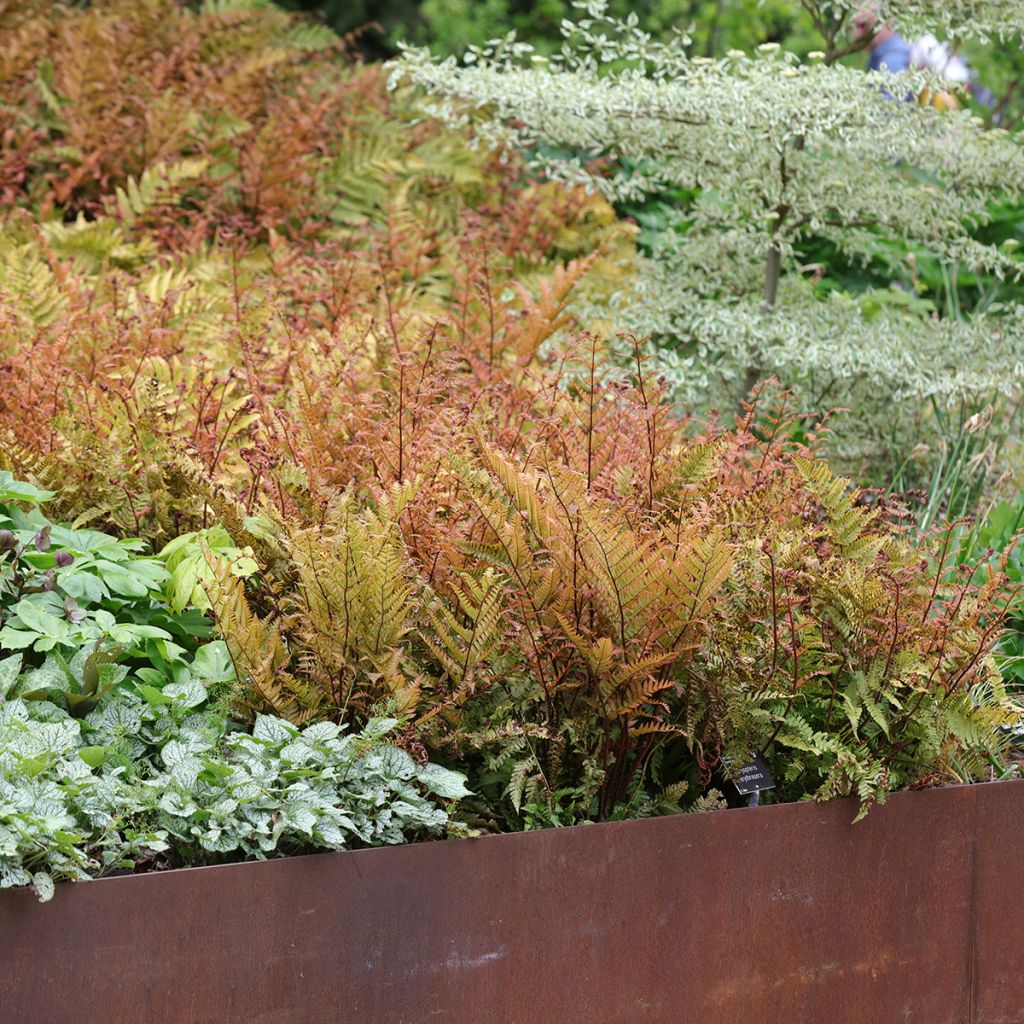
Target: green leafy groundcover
(162, 775)
(114, 753)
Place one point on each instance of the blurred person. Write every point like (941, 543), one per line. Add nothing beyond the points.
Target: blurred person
(928, 53)
(888, 50)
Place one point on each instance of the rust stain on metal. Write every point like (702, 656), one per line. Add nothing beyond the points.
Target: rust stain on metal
(777, 914)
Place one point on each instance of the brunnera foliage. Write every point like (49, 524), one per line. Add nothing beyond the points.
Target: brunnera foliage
(163, 780)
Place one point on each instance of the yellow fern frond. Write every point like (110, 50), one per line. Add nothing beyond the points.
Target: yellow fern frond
(256, 649)
(461, 647)
(846, 522)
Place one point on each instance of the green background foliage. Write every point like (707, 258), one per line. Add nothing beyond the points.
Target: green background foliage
(449, 26)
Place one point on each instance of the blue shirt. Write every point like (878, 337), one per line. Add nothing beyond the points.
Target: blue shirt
(892, 55)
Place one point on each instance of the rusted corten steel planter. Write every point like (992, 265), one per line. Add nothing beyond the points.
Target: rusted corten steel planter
(773, 915)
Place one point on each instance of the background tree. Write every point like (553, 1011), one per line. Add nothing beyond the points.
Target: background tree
(448, 26)
(772, 158)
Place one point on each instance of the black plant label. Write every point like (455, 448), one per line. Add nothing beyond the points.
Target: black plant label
(753, 776)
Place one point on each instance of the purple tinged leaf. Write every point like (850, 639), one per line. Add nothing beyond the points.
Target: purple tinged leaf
(43, 539)
(74, 611)
(64, 558)
(8, 542)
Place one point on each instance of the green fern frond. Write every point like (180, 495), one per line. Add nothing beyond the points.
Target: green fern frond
(847, 523)
(28, 283)
(156, 185)
(309, 37)
(462, 648)
(697, 463)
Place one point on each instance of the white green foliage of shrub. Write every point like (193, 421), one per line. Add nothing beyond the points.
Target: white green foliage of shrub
(983, 19)
(780, 150)
(158, 771)
(877, 349)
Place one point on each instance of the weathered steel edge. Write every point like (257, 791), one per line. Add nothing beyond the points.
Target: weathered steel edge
(781, 913)
(512, 838)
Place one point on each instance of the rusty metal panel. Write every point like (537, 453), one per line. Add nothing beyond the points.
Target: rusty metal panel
(774, 915)
(997, 976)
